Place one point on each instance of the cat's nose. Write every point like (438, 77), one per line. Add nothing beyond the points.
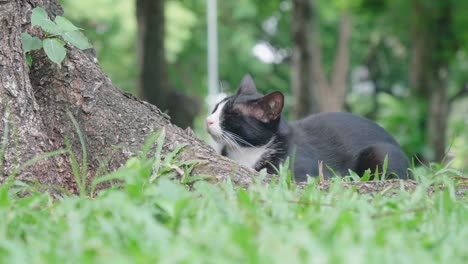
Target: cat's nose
(209, 123)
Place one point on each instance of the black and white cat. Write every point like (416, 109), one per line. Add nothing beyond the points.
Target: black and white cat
(251, 130)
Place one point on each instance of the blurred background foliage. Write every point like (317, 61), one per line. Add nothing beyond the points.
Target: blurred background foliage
(255, 37)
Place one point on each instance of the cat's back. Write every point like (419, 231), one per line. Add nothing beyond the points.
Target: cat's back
(343, 141)
(339, 128)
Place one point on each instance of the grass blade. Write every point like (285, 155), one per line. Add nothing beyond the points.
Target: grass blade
(384, 167)
(170, 157)
(84, 152)
(75, 166)
(36, 160)
(157, 155)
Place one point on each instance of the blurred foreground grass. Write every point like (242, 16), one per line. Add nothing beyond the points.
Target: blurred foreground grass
(147, 219)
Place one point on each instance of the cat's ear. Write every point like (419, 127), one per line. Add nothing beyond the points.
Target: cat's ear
(247, 85)
(271, 106)
(265, 109)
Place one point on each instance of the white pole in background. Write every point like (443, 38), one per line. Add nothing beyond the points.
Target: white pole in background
(214, 95)
(213, 78)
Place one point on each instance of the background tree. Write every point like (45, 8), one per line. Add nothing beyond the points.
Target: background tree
(431, 56)
(332, 91)
(154, 80)
(313, 91)
(428, 73)
(306, 99)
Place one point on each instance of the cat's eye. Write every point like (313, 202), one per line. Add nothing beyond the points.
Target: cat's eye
(215, 108)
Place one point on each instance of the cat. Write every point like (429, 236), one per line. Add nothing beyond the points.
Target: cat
(252, 131)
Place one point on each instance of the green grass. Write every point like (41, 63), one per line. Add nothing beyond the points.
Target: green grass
(151, 218)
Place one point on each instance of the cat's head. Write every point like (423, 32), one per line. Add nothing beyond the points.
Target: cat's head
(247, 118)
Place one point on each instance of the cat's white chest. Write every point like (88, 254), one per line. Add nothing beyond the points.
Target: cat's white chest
(248, 156)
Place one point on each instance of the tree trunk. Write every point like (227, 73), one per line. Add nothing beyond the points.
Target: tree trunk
(339, 78)
(34, 107)
(438, 115)
(332, 93)
(304, 96)
(154, 81)
(429, 66)
(25, 134)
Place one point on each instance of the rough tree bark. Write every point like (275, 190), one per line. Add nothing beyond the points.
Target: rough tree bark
(115, 124)
(154, 81)
(24, 131)
(302, 86)
(429, 65)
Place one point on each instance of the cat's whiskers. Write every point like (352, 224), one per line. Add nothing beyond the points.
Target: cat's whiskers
(234, 144)
(238, 138)
(230, 142)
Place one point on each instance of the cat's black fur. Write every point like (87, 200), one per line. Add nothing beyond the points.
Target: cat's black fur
(341, 140)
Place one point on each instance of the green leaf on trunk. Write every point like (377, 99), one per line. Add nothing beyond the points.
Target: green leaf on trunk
(65, 24)
(54, 49)
(29, 59)
(77, 38)
(30, 43)
(40, 18)
(38, 15)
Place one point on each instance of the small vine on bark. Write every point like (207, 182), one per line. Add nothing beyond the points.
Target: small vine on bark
(57, 33)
